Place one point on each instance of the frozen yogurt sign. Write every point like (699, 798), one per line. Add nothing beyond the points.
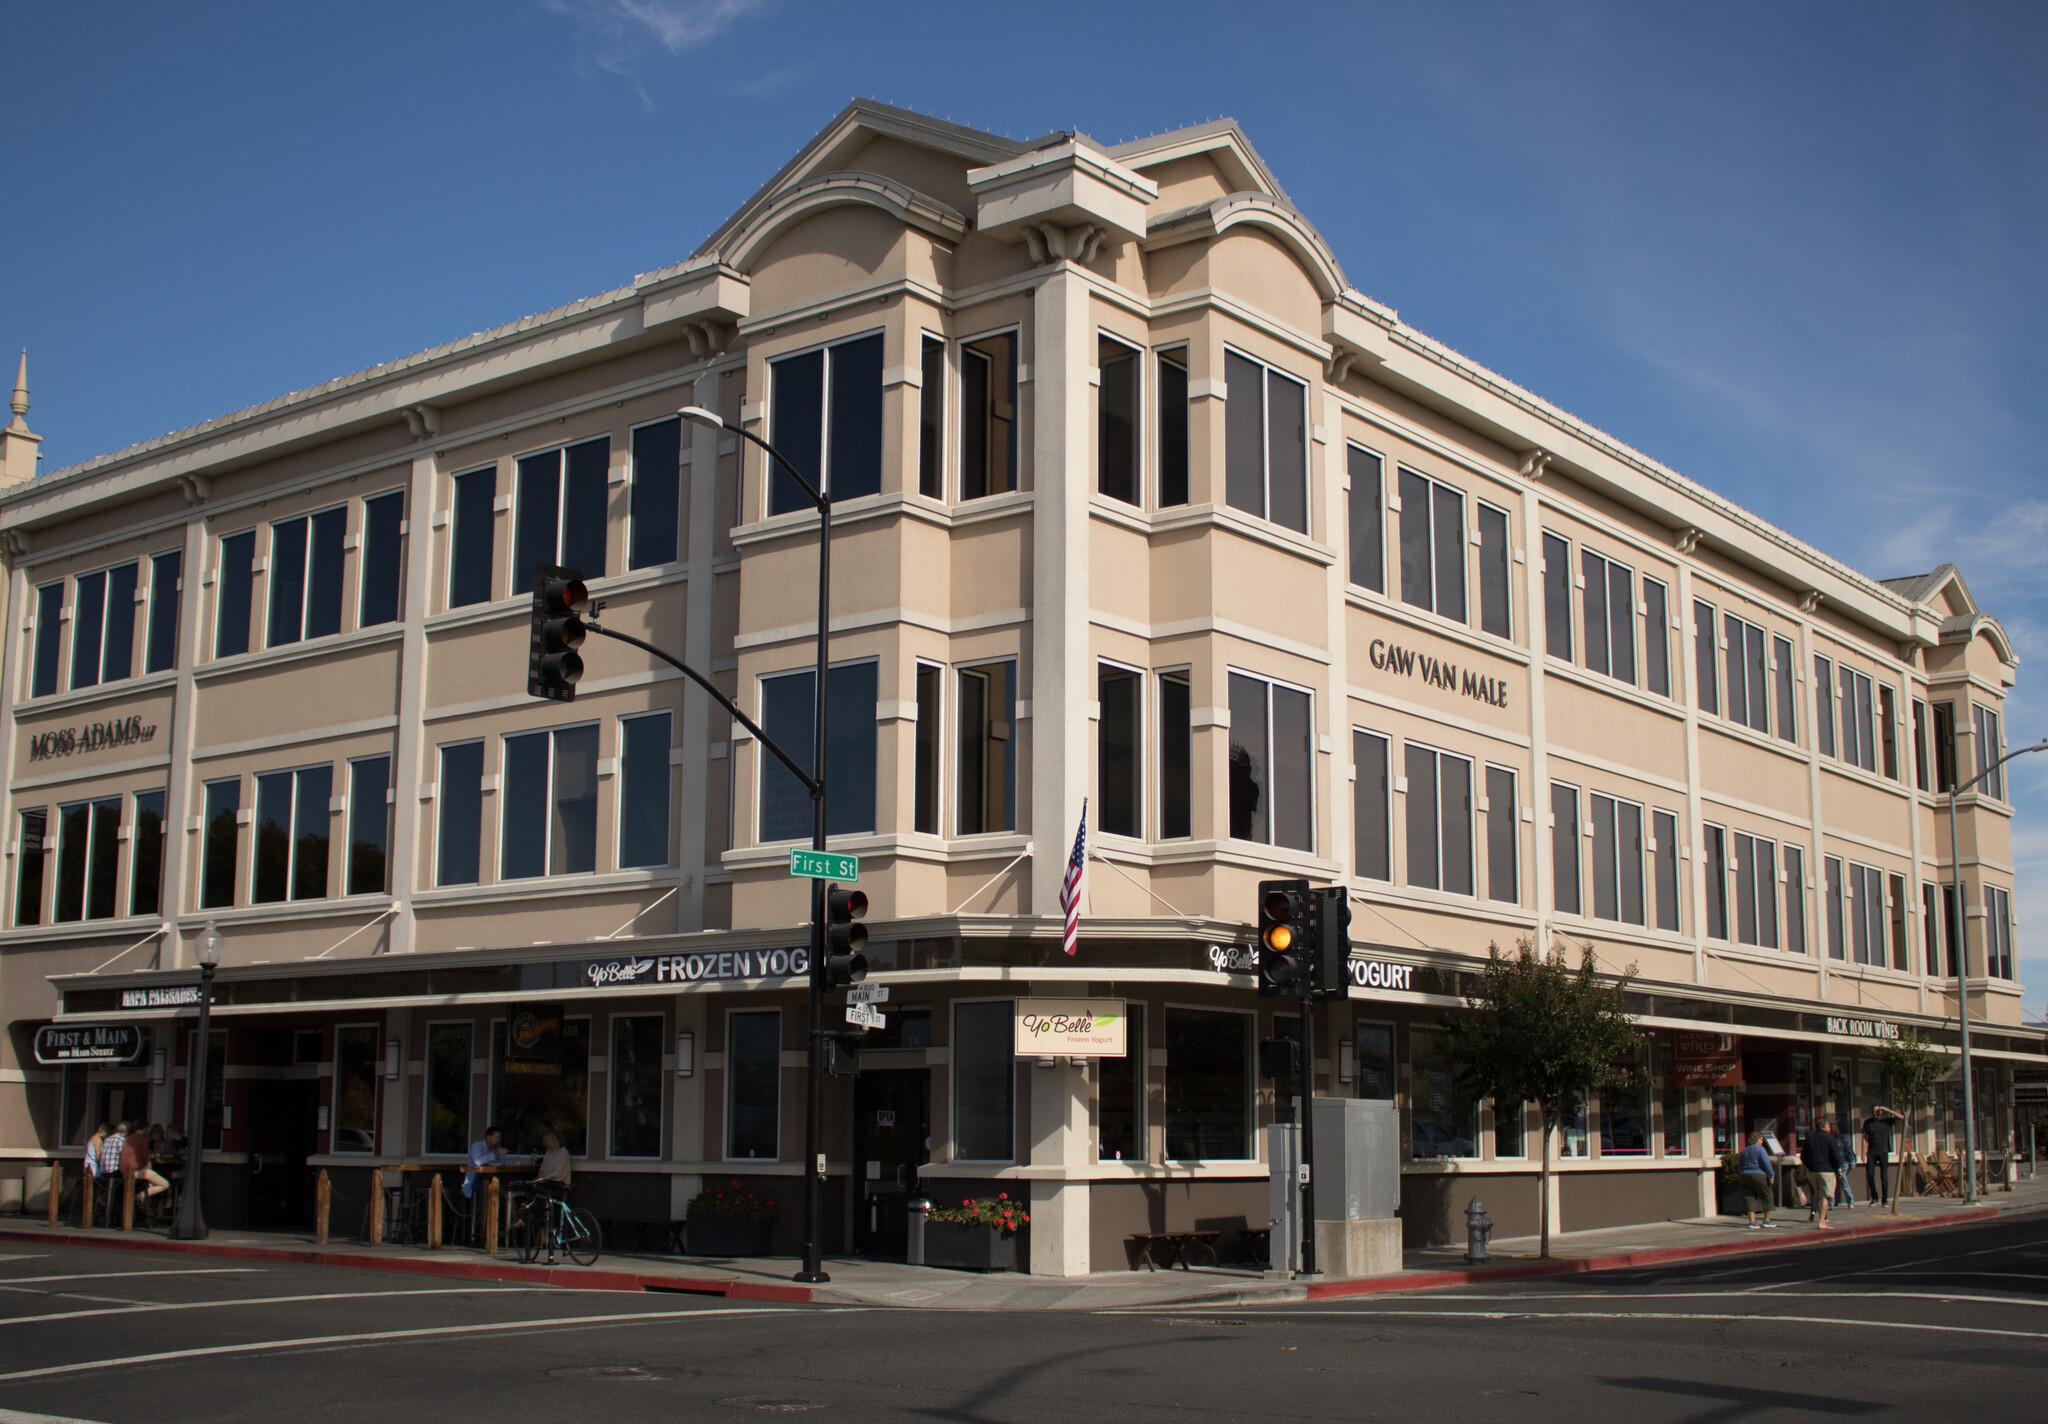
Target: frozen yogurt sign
(1070, 1028)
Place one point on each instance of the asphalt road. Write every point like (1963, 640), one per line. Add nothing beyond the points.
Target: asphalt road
(1928, 1325)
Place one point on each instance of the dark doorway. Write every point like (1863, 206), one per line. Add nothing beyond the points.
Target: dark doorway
(891, 1141)
(282, 1136)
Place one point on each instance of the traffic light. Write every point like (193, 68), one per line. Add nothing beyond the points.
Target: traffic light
(842, 1054)
(553, 666)
(1284, 907)
(1330, 942)
(845, 935)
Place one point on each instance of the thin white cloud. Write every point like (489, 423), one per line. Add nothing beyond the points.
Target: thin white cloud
(618, 35)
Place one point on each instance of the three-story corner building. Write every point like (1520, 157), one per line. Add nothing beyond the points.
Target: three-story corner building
(1139, 504)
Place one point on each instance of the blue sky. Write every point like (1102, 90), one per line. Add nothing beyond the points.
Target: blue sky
(1795, 252)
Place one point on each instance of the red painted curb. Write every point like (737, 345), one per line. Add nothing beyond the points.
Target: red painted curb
(1438, 1280)
(460, 1269)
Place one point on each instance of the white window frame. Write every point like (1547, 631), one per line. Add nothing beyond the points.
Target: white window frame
(1480, 793)
(69, 665)
(547, 806)
(1478, 577)
(766, 757)
(1464, 542)
(1610, 564)
(942, 713)
(1393, 771)
(291, 861)
(1647, 882)
(427, 1083)
(522, 581)
(684, 466)
(440, 795)
(1144, 721)
(1271, 682)
(1155, 805)
(1265, 514)
(725, 1147)
(618, 779)
(1177, 354)
(1758, 883)
(348, 822)
(953, 1096)
(1472, 828)
(454, 537)
(956, 405)
(362, 551)
(663, 1036)
(1141, 428)
(1011, 660)
(306, 575)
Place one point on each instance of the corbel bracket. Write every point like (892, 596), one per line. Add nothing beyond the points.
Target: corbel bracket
(424, 421)
(1535, 464)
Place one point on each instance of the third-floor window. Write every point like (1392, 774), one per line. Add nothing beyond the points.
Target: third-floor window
(1265, 442)
(560, 510)
(825, 417)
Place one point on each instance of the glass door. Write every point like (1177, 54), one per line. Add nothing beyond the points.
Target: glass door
(891, 1141)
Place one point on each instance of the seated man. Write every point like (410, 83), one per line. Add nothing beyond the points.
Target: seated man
(136, 1157)
(486, 1151)
(553, 1180)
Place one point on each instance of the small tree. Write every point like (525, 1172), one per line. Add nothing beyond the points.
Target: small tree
(1539, 1032)
(1910, 1066)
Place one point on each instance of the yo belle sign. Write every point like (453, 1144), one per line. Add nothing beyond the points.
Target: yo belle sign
(1070, 1028)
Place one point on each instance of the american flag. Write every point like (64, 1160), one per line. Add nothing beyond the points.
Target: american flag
(1070, 888)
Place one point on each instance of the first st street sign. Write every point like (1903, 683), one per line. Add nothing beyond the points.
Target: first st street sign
(823, 865)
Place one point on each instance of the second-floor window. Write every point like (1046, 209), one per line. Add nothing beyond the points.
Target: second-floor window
(1172, 368)
(1859, 727)
(291, 834)
(1265, 442)
(987, 761)
(220, 857)
(643, 790)
(49, 637)
(657, 493)
(88, 859)
(369, 826)
(103, 627)
(1368, 518)
(383, 562)
(1116, 420)
(787, 714)
(236, 594)
(548, 807)
(561, 509)
(1119, 751)
(1432, 546)
(1748, 693)
(472, 539)
(825, 417)
(1609, 601)
(166, 582)
(305, 576)
(1998, 962)
(1272, 763)
(1989, 750)
(1439, 813)
(1617, 860)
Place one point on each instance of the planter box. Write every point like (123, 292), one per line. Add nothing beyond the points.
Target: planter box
(968, 1248)
(723, 1236)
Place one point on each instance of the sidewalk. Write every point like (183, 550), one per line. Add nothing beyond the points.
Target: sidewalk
(891, 1283)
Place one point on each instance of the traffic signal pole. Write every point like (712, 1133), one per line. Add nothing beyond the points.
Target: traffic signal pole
(1308, 1125)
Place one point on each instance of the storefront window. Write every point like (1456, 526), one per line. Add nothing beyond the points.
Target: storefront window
(1376, 1061)
(1724, 1120)
(636, 1086)
(1122, 1114)
(448, 1087)
(1510, 1134)
(1572, 1130)
(546, 1086)
(355, 1089)
(753, 1077)
(1209, 1109)
(1441, 1121)
(1677, 1139)
(1625, 1114)
(90, 1099)
(1802, 1100)
(984, 1083)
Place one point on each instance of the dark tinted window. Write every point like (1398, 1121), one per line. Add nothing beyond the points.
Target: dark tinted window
(237, 585)
(657, 485)
(1118, 753)
(1116, 426)
(462, 811)
(1173, 429)
(474, 540)
(383, 558)
(1368, 520)
(643, 787)
(164, 599)
(49, 639)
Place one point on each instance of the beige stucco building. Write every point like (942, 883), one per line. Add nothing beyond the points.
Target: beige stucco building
(1139, 501)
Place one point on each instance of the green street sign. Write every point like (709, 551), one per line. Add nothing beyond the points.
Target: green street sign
(822, 865)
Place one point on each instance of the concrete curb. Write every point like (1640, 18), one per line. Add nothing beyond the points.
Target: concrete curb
(1670, 1255)
(570, 1276)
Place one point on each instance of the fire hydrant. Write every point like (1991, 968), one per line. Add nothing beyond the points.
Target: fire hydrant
(1478, 1226)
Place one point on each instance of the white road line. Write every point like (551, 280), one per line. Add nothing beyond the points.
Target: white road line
(1628, 1315)
(1907, 1265)
(15, 1416)
(16, 1282)
(381, 1336)
(154, 1307)
(1454, 1300)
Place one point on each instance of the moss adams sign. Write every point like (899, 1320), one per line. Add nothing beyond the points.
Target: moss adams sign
(91, 737)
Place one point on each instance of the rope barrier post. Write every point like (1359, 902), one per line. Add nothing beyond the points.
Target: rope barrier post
(128, 1201)
(85, 1200)
(491, 1216)
(434, 1212)
(323, 1206)
(56, 1188)
(376, 1206)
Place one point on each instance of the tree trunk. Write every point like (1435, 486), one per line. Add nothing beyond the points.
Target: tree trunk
(1543, 1180)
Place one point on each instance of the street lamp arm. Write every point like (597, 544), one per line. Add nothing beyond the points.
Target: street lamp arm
(711, 418)
(811, 784)
(2040, 746)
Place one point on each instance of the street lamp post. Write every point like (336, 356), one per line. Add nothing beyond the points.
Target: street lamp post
(1962, 952)
(814, 1096)
(190, 1224)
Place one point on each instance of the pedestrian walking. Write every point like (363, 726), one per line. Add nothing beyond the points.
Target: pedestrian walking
(1877, 1153)
(1844, 1198)
(1753, 1172)
(1822, 1157)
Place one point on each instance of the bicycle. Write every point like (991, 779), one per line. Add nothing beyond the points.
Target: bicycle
(548, 1221)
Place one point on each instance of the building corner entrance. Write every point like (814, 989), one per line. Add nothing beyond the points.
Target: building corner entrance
(891, 1142)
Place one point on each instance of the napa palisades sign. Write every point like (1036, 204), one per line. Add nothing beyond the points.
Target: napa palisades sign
(173, 997)
(1070, 1028)
(90, 1043)
(1406, 662)
(92, 737)
(633, 970)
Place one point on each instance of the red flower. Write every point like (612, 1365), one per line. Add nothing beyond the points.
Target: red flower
(1002, 1196)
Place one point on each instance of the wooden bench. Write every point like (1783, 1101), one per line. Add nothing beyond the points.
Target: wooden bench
(1174, 1246)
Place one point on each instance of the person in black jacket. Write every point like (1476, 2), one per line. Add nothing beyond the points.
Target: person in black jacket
(1822, 1157)
(1877, 1151)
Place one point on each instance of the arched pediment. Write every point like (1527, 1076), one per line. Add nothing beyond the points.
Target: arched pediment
(831, 190)
(1289, 228)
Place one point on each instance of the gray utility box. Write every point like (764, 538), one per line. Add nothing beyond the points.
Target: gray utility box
(1357, 1181)
(1358, 1159)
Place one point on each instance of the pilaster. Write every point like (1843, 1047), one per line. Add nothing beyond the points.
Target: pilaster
(693, 854)
(408, 811)
(1059, 1139)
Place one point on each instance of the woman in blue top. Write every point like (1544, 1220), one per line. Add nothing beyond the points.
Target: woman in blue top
(1753, 1171)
